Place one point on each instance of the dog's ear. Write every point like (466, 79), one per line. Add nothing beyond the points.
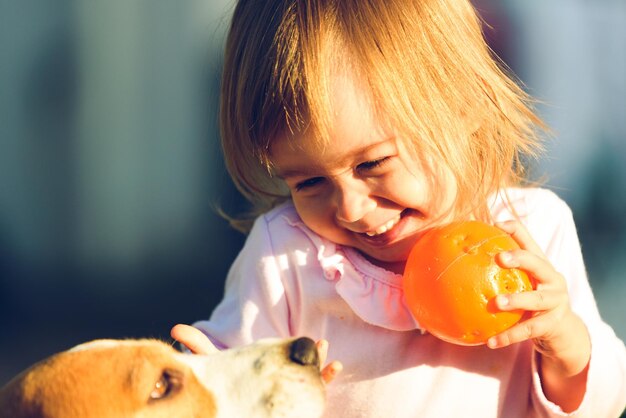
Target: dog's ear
(22, 396)
(15, 402)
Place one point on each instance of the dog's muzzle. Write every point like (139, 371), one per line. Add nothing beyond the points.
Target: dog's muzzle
(303, 351)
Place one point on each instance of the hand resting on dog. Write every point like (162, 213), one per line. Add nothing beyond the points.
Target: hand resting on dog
(198, 343)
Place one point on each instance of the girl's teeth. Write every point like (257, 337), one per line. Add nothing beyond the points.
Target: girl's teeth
(384, 228)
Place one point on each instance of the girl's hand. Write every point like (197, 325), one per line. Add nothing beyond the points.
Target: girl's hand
(330, 371)
(558, 334)
(193, 339)
(198, 343)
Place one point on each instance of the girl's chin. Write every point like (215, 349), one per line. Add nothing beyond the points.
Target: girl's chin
(394, 266)
(393, 262)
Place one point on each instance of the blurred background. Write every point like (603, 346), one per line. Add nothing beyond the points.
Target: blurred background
(110, 169)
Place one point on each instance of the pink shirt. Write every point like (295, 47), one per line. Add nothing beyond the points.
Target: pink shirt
(288, 281)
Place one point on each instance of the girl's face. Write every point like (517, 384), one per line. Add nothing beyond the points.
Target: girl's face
(363, 189)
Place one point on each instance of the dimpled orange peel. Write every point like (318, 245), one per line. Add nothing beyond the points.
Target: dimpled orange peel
(451, 280)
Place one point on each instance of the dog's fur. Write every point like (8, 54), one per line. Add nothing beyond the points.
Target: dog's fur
(148, 378)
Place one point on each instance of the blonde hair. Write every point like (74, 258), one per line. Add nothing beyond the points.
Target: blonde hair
(426, 65)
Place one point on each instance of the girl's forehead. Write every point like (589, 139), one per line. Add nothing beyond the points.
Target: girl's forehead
(353, 134)
(346, 114)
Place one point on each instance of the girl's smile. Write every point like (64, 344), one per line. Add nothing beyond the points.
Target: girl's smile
(385, 228)
(362, 188)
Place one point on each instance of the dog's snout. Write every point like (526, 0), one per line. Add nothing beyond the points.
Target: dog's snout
(303, 351)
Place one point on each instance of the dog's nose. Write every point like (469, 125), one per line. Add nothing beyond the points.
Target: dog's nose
(303, 351)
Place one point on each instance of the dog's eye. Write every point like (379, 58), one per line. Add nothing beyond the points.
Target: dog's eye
(169, 383)
(161, 388)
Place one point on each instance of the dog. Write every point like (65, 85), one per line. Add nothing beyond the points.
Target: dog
(148, 378)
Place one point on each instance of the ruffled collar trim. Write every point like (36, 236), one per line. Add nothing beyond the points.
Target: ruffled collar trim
(374, 293)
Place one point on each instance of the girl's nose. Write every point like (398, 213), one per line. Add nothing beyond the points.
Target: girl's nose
(353, 203)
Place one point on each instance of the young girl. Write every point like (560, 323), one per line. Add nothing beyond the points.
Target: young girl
(354, 126)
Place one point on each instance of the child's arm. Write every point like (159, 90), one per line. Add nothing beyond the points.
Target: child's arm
(559, 335)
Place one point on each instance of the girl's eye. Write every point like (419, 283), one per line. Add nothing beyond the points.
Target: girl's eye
(308, 183)
(370, 165)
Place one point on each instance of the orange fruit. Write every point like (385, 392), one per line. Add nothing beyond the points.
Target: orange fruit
(451, 279)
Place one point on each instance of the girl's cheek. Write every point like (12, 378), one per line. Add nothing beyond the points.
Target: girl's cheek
(312, 211)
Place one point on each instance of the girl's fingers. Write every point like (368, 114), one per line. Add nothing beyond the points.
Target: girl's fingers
(533, 328)
(535, 265)
(322, 350)
(536, 300)
(193, 339)
(520, 234)
(331, 370)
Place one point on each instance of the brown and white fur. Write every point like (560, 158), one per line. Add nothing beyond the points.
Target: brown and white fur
(148, 378)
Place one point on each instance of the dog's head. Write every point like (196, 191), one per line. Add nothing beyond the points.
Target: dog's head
(148, 378)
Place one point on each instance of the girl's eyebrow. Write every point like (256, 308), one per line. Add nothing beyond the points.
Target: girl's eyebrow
(294, 173)
(286, 174)
(308, 171)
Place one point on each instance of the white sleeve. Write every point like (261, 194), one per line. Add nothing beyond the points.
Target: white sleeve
(254, 304)
(606, 382)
